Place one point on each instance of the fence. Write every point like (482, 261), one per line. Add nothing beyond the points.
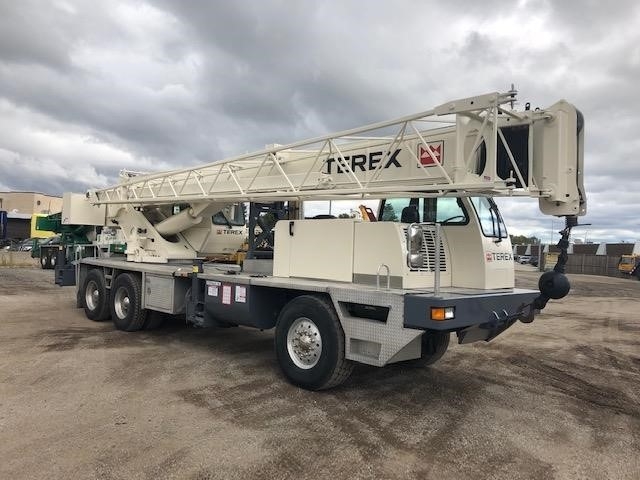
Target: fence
(589, 264)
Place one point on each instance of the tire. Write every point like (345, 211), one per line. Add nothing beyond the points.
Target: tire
(43, 261)
(94, 296)
(434, 346)
(309, 344)
(126, 303)
(154, 320)
(79, 299)
(52, 260)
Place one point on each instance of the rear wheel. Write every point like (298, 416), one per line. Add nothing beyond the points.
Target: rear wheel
(434, 346)
(309, 344)
(95, 296)
(126, 303)
(43, 261)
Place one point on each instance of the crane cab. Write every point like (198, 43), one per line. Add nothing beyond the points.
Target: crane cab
(461, 243)
(475, 249)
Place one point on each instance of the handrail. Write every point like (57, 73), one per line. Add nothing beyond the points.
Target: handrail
(383, 265)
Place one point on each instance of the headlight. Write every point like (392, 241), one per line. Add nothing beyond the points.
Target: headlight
(414, 246)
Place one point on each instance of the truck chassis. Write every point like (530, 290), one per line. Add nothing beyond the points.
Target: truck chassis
(361, 323)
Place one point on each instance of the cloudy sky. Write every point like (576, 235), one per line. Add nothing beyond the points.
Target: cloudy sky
(90, 87)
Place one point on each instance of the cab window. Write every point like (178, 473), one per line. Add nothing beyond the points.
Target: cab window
(489, 216)
(446, 210)
(232, 215)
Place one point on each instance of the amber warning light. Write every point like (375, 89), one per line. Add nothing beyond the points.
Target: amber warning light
(442, 313)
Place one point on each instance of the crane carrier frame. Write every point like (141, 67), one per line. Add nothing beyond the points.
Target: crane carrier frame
(437, 261)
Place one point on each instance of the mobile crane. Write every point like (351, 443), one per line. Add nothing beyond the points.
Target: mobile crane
(436, 261)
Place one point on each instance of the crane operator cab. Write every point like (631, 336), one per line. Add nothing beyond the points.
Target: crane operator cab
(470, 226)
(454, 242)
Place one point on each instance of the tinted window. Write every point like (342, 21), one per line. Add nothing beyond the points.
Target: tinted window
(234, 215)
(447, 210)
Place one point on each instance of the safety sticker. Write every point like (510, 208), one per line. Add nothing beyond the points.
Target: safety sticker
(226, 294)
(212, 288)
(241, 294)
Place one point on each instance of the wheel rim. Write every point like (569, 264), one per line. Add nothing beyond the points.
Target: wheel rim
(92, 295)
(304, 343)
(53, 261)
(121, 303)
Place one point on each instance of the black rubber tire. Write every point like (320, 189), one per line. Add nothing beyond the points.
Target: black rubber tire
(79, 301)
(98, 309)
(332, 368)
(43, 261)
(434, 346)
(154, 320)
(127, 315)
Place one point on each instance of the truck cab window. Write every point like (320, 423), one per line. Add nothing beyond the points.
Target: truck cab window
(233, 215)
(447, 210)
(489, 217)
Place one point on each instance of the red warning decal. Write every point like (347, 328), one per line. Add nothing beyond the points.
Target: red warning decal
(428, 159)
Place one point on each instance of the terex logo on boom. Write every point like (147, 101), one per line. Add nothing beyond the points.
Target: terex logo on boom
(364, 162)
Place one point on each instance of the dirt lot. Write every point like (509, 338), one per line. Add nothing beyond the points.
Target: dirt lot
(559, 398)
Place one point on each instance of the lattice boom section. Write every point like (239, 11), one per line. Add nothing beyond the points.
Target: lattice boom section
(416, 153)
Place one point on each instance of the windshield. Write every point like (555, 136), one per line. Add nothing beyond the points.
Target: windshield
(448, 210)
(233, 215)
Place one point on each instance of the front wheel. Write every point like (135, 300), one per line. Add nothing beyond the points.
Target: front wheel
(434, 346)
(309, 344)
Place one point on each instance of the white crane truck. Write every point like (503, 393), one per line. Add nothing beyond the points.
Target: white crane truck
(437, 261)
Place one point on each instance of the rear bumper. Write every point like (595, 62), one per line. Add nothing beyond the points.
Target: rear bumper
(477, 316)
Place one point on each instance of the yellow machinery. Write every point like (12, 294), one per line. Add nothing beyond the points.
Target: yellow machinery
(629, 265)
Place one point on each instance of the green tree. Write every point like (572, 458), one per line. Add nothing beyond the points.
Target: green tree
(389, 214)
(524, 240)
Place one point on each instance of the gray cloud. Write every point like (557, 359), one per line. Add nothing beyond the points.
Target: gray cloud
(88, 88)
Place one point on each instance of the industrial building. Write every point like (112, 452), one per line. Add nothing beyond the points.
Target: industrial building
(20, 207)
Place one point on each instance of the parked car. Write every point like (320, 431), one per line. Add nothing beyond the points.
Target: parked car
(524, 259)
(55, 240)
(22, 245)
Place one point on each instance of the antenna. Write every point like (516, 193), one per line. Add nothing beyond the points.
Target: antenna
(513, 92)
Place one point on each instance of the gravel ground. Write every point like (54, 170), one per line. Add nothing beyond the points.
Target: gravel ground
(558, 398)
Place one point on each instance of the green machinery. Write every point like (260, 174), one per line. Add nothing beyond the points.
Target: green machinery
(61, 249)
(66, 236)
